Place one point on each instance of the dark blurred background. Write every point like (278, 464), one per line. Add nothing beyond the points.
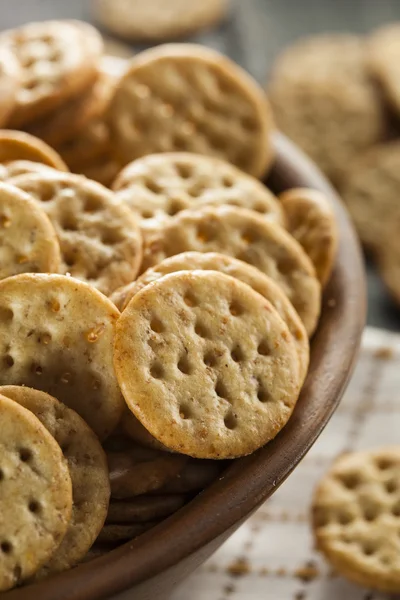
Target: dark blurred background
(253, 35)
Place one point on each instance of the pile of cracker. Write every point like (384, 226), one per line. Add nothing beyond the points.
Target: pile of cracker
(152, 330)
(338, 97)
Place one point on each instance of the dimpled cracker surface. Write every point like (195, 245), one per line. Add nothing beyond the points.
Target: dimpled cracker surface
(18, 145)
(371, 192)
(28, 242)
(161, 185)
(187, 97)
(356, 517)
(10, 77)
(21, 167)
(36, 494)
(206, 364)
(324, 100)
(100, 239)
(249, 237)
(311, 222)
(264, 285)
(58, 60)
(156, 19)
(56, 335)
(88, 469)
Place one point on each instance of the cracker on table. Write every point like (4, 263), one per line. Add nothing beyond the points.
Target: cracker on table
(356, 517)
(19, 145)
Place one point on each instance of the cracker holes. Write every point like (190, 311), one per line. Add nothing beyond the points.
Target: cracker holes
(69, 259)
(69, 223)
(184, 171)
(286, 266)
(153, 186)
(349, 480)
(46, 193)
(184, 365)
(248, 237)
(230, 421)
(5, 221)
(174, 207)
(156, 325)
(190, 300)
(321, 519)
(34, 507)
(396, 510)
(55, 306)
(263, 348)
(147, 214)
(384, 463)
(260, 208)
(262, 394)
(1, 475)
(6, 547)
(391, 486)
(371, 513)
(237, 354)
(92, 204)
(8, 361)
(25, 455)
(185, 412)
(37, 369)
(6, 314)
(369, 548)
(201, 331)
(197, 190)
(220, 390)
(345, 518)
(210, 360)
(236, 309)
(228, 181)
(157, 370)
(203, 234)
(45, 339)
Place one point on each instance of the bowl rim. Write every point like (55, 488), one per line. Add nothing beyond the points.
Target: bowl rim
(251, 480)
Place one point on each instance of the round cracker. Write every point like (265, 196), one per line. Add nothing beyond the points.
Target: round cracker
(247, 236)
(21, 167)
(28, 242)
(195, 476)
(100, 239)
(187, 97)
(116, 534)
(159, 186)
(57, 335)
(356, 517)
(88, 469)
(311, 221)
(36, 494)
(211, 261)
(206, 364)
(58, 59)
(18, 145)
(157, 20)
(10, 77)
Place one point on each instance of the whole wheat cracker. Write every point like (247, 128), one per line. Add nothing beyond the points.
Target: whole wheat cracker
(247, 236)
(28, 242)
(88, 469)
(356, 517)
(158, 186)
(57, 335)
(36, 494)
(264, 285)
(116, 534)
(195, 476)
(157, 20)
(206, 364)
(311, 221)
(19, 145)
(58, 59)
(100, 239)
(186, 97)
(144, 508)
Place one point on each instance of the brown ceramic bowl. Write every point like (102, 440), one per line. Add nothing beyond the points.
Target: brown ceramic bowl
(150, 566)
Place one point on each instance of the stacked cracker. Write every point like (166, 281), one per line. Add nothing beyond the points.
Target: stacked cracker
(165, 321)
(338, 97)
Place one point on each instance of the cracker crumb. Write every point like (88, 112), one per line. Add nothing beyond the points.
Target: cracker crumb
(308, 572)
(384, 353)
(239, 567)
